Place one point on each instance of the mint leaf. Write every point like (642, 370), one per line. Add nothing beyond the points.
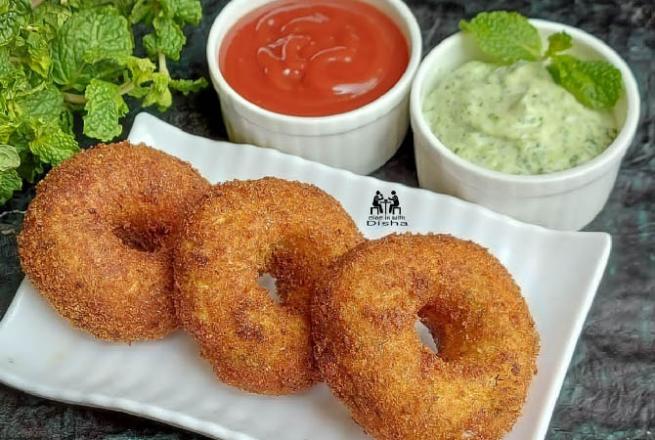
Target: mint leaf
(158, 93)
(9, 158)
(150, 45)
(123, 6)
(46, 104)
(104, 108)
(30, 166)
(141, 69)
(52, 145)
(7, 127)
(63, 55)
(14, 14)
(6, 65)
(10, 181)
(81, 38)
(38, 51)
(20, 138)
(141, 73)
(187, 86)
(13, 79)
(506, 37)
(182, 11)
(167, 39)
(49, 17)
(596, 84)
(558, 42)
(143, 10)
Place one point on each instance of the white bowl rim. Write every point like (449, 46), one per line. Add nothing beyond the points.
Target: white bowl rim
(361, 115)
(614, 151)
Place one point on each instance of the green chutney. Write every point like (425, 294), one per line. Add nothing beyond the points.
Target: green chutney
(515, 119)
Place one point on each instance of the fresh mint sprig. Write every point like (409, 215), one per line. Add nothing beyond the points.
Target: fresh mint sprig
(61, 57)
(508, 37)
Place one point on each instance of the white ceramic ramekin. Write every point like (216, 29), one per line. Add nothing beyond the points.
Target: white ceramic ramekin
(360, 140)
(568, 199)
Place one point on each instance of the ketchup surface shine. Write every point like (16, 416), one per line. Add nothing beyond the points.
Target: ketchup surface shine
(313, 57)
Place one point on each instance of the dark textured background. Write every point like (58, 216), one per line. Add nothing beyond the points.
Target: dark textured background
(609, 391)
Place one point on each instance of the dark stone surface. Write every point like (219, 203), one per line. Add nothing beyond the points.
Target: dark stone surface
(609, 392)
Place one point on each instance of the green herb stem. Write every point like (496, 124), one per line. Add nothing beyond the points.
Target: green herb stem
(126, 88)
(163, 68)
(73, 98)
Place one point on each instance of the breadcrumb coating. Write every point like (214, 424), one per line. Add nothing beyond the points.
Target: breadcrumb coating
(97, 239)
(396, 388)
(243, 230)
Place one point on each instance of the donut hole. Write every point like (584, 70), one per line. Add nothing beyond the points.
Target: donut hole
(269, 282)
(143, 238)
(426, 336)
(290, 272)
(455, 329)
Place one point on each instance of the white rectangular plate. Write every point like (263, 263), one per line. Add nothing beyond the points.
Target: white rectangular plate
(167, 381)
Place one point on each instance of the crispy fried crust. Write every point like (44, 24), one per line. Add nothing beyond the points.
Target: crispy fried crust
(97, 239)
(370, 355)
(243, 230)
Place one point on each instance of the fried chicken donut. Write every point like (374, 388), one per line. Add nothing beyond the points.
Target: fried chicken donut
(97, 239)
(370, 355)
(243, 230)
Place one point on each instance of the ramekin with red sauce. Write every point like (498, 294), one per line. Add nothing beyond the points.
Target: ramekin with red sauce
(327, 80)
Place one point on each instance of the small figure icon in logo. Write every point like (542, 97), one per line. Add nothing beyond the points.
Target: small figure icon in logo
(395, 203)
(386, 211)
(376, 205)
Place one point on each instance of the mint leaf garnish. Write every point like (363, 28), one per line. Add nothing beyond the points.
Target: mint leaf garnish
(186, 86)
(9, 158)
(158, 93)
(81, 37)
(45, 103)
(183, 11)
(58, 58)
(38, 51)
(14, 14)
(53, 145)
(104, 107)
(141, 70)
(10, 181)
(142, 11)
(558, 42)
(505, 37)
(49, 17)
(596, 84)
(508, 37)
(167, 39)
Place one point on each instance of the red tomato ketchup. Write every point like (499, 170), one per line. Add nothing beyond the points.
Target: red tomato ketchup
(313, 57)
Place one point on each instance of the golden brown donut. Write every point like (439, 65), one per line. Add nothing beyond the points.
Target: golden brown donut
(97, 239)
(243, 230)
(396, 388)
